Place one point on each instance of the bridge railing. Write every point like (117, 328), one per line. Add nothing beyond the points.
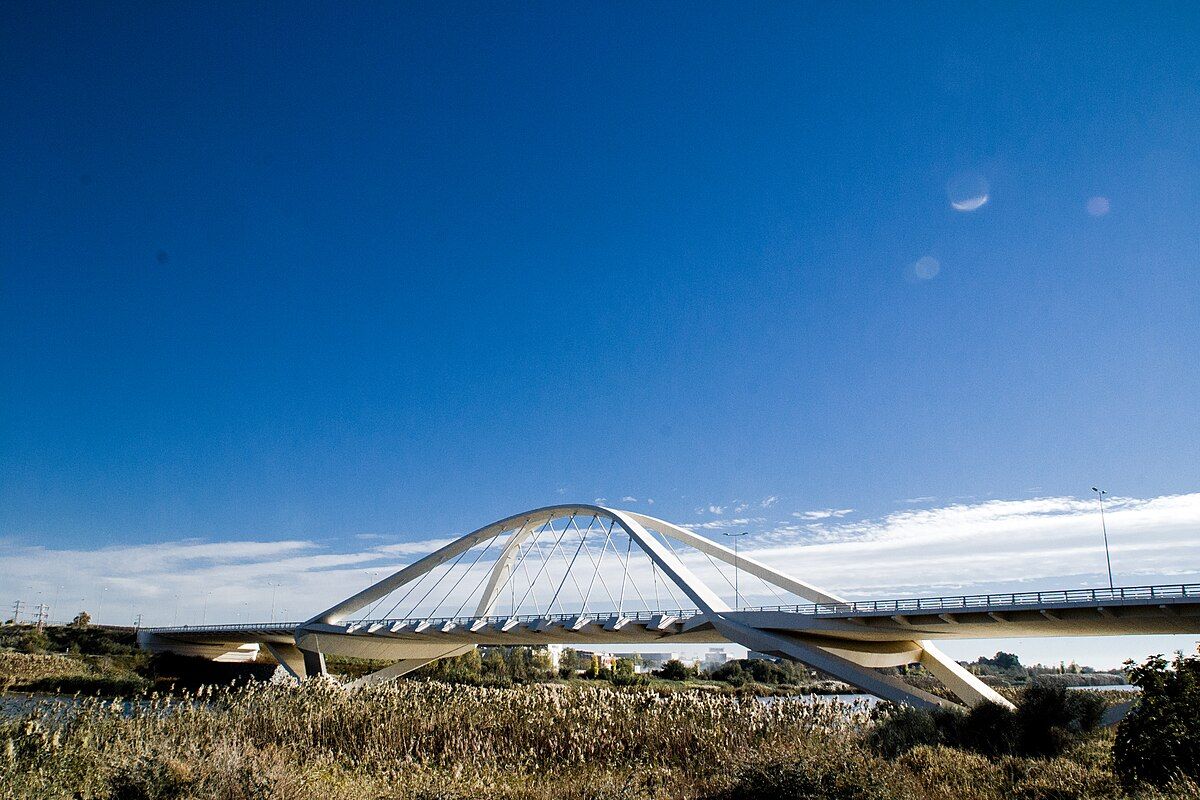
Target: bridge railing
(633, 616)
(1003, 600)
(233, 627)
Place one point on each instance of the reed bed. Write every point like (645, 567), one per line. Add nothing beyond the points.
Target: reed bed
(434, 741)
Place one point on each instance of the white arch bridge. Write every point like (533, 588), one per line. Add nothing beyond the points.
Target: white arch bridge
(590, 575)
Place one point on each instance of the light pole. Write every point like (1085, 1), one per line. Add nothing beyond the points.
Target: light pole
(737, 594)
(1104, 529)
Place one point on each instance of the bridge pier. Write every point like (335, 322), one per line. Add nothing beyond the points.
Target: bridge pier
(289, 657)
(314, 663)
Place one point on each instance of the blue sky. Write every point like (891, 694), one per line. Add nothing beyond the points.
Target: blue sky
(307, 275)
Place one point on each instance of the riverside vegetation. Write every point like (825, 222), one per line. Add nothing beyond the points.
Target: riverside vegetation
(432, 739)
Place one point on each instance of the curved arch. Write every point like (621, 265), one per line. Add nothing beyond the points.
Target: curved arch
(721, 553)
(522, 525)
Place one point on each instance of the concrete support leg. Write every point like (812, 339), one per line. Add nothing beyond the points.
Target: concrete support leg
(289, 657)
(314, 663)
(965, 686)
(887, 687)
(405, 666)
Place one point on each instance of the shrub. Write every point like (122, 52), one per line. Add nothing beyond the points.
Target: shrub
(676, 670)
(1047, 721)
(900, 729)
(1049, 717)
(1159, 740)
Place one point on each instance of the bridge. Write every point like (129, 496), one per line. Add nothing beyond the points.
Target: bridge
(585, 574)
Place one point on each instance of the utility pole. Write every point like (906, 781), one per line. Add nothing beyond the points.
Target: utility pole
(1104, 529)
(737, 592)
(137, 622)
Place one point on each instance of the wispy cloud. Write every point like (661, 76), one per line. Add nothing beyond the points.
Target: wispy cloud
(718, 524)
(990, 543)
(420, 547)
(716, 509)
(629, 499)
(824, 513)
(767, 502)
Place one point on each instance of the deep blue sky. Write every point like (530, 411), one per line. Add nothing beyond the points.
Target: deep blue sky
(323, 270)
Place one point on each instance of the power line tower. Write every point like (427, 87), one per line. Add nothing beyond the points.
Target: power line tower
(42, 616)
(137, 623)
(18, 607)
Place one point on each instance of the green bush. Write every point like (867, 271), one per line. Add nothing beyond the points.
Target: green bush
(1048, 720)
(1049, 716)
(901, 728)
(1158, 742)
(676, 670)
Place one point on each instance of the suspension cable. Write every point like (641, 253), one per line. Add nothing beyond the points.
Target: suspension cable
(571, 563)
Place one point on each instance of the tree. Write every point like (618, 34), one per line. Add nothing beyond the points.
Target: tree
(540, 663)
(730, 672)
(569, 663)
(676, 670)
(1159, 740)
(625, 673)
(82, 620)
(494, 667)
(594, 670)
(1003, 661)
(518, 663)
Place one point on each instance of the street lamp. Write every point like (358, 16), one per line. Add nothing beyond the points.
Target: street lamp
(737, 594)
(1104, 529)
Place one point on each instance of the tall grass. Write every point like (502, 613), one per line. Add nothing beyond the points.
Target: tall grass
(432, 740)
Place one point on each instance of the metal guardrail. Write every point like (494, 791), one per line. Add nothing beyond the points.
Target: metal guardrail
(983, 602)
(975, 602)
(236, 627)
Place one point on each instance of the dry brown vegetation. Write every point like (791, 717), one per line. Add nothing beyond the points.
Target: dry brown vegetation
(433, 740)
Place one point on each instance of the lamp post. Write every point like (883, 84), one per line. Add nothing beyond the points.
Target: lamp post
(1104, 529)
(737, 594)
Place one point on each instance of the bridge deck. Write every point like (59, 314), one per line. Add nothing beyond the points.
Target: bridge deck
(1178, 605)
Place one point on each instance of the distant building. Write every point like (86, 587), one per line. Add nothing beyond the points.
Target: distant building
(713, 658)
